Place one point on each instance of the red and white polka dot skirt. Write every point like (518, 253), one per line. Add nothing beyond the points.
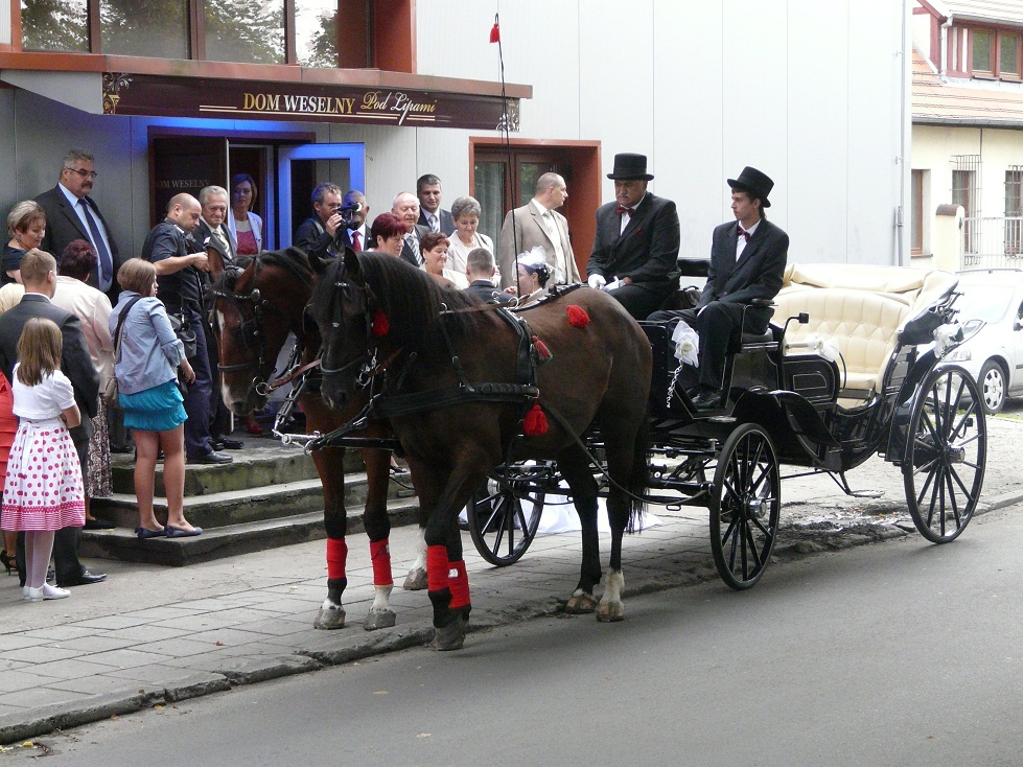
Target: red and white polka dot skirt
(43, 490)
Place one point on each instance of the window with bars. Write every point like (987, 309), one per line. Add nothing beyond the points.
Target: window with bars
(965, 192)
(1012, 212)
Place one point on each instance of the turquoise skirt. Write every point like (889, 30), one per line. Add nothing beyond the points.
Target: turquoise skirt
(156, 409)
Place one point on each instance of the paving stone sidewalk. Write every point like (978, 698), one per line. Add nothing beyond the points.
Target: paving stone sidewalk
(153, 635)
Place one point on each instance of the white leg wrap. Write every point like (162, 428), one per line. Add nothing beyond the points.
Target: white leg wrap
(615, 583)
(381, 598)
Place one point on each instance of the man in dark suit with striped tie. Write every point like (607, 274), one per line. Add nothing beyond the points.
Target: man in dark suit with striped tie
(748, 259)
(72, 215)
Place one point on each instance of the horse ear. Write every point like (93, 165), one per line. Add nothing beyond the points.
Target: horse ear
(214, 260)
(242, 280)
(316, 263)
(352, 269)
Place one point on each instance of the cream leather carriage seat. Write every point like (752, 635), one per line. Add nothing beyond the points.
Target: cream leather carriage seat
(858, 308)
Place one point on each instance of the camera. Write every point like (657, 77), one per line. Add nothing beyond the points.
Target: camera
(347, 213)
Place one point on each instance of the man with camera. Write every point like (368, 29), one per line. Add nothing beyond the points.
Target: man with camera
(316, 235)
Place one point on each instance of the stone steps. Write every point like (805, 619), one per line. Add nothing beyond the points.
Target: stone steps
(228, 540)
(270, 495)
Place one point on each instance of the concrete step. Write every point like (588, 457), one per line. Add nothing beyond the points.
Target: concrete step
(228, 540)
(225, 508)
(261, 462)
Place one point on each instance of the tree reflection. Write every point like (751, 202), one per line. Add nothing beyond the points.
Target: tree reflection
(245, 30)
(54, 25)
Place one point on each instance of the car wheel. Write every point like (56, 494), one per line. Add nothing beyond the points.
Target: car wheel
(992, 382)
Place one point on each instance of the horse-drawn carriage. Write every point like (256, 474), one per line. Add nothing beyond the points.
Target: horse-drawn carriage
(852, 369)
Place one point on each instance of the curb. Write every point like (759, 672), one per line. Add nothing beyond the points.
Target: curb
(333, 650)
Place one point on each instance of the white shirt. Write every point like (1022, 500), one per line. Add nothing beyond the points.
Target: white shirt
(46, 399)
(73, 201)
(625, 217)
(547, 221)
(741, 242)
(362, 237)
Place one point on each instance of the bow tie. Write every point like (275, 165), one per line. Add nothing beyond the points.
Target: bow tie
(741, 232)
(619, 210)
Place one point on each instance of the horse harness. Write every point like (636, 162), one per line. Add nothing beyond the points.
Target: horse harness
(384, 383)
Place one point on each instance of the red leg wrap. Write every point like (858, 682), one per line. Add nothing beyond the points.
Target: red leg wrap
(458, 584)
(337, 555)
(437, 567)
(380, 557)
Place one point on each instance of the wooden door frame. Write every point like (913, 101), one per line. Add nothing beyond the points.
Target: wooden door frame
(584, 190)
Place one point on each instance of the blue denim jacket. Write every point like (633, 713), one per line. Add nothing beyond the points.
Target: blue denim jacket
(150, 351)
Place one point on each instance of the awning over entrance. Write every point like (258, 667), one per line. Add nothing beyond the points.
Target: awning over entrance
(122, 85)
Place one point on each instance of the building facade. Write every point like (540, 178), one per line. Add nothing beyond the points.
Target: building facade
(172, 94)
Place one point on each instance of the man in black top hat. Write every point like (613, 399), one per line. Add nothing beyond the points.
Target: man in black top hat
(637, 241)
(748, 258)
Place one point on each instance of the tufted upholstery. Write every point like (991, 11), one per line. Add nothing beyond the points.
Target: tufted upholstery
(857, 308)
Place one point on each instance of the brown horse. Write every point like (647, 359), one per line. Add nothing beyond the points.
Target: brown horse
(432, 346)
(256, 307)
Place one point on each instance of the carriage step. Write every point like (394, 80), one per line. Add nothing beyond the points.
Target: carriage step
(261, 462)
(213, 510)
(121, 544)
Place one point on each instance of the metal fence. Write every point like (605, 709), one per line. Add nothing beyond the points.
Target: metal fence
(993, 241)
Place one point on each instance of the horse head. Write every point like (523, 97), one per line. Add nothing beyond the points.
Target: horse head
(342, 308)
(255, 308)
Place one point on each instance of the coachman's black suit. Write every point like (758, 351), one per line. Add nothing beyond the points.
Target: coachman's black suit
(731, 287)
(77, 366)
(645, 252)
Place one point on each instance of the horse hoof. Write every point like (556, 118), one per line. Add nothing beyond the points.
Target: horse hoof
(611, 612)
(580, 603)
(330, 616)
(379, 619)
(451, 637)
(416, 580)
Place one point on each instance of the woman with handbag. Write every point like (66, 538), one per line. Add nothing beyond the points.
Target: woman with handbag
(146, 355)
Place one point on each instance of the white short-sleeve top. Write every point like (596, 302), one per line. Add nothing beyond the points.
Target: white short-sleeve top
(46, 399)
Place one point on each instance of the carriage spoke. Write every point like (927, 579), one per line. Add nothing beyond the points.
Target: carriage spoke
(743, 531)
(957, 430)
(942, 506)
(766, 531)
(931, 427)
(935, 409)
(927, 482)
(734, 535)
(952, 499)
(495, 510)
(764, 473)
(931, 507)
(761, 445)
(969, 440)
(955, 476)
(753, 547)
(496, 547)
(926, 467)
(521, 516)
(732, 491)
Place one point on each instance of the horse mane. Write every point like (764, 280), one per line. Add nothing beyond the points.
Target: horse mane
(292, 260)
(413, 301)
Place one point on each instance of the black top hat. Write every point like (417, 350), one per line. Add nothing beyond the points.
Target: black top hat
(754, 182)
(629, 166)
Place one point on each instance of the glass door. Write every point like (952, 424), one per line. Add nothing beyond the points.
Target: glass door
(491, 171)
(301, 167)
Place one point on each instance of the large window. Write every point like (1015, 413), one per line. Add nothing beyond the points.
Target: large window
(244, 30)
(55, 25)
(302, 32)
(994, 54)
(145, 28)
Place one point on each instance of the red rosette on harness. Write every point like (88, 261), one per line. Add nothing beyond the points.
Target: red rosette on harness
(380, 325)
(535, 422)
(540, 349)
(578, 317)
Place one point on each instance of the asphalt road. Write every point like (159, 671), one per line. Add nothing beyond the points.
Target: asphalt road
(897, 653)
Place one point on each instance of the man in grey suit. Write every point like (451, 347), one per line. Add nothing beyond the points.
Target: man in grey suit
(748, 260)
(538, 223)
(637, 241)
(39, 273)
(72, 215)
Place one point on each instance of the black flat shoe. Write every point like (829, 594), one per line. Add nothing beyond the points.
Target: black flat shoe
(213, 457)
(85, 577)
(8, 561)
(231, 445)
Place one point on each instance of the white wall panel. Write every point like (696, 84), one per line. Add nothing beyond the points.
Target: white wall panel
(815, 178)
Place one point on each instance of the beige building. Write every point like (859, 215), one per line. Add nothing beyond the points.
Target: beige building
(966, 152)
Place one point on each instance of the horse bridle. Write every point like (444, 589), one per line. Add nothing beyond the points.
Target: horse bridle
(367, 359)
(259, 383)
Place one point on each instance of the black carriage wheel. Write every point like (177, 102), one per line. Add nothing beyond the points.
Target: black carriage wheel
(503, 515)
(944, 464)
(745, 504)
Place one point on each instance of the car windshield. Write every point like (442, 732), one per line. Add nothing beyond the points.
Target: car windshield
(986, 302)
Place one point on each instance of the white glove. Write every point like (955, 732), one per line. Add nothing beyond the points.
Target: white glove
(596, 282)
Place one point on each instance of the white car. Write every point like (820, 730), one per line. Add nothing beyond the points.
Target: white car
(995, 355)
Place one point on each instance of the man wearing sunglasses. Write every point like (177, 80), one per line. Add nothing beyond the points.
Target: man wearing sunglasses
(72, 215)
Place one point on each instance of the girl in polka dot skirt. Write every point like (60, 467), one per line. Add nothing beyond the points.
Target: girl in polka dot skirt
(43, 491)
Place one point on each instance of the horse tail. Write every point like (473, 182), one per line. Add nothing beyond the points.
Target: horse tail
(638, 476)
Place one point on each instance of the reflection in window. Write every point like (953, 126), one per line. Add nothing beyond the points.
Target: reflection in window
(249, 31)
(55, 25)
(1008, 46)
(145, 27)
(316, 35)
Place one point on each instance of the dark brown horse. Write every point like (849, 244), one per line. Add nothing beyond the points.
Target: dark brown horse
(256, 306)
(432, 345)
